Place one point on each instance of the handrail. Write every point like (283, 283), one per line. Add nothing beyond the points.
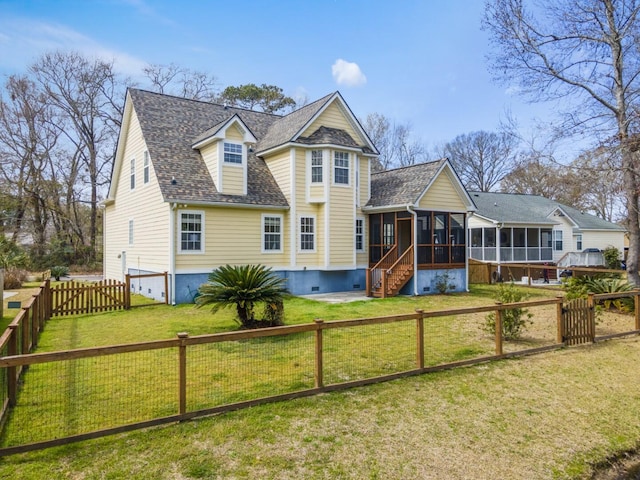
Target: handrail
(392, 272)
(384, 260)
(383, 264)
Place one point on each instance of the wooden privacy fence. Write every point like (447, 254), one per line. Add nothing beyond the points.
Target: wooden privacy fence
(106, 390)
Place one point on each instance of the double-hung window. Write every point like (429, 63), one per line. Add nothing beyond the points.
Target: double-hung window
(145, 167)
(341, 168)
(191, 229)
(307, 234)
(557, 240)
(132, 175)
(232, 152)
(316, 166)
(359, 235)
(272, 233)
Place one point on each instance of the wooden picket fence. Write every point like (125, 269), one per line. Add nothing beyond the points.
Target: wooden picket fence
(71, 298)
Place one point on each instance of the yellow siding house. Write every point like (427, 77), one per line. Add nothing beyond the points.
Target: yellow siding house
(197, 185)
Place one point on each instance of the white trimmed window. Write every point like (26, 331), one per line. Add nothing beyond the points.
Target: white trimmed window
(359, 234)
(557, 240)
(307, 234)
(579, 242)
(316, 166)
(232, 153)
(191, 232)
(132, 174)
(145, 167)
(341, 168)
(130, 232)
(271, 233)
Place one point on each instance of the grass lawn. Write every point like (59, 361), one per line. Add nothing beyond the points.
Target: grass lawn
(546, 416)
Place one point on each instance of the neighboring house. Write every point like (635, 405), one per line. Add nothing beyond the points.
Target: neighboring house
(511, 228)
(197, 185)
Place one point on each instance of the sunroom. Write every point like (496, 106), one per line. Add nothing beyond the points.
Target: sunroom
(417, 224)
(513, 244)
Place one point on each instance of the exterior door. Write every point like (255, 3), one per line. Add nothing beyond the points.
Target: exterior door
(405, 234)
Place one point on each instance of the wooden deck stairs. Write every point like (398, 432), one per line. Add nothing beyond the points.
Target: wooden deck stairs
(390, 274)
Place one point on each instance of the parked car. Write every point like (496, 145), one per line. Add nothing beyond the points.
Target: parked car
(591, 250)
(566, 273)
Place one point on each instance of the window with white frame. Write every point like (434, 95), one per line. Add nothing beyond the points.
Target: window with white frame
(316, 166)
(132, 174)
(341, 168)
(130, 232)
(145, 167)
(359, 234)
(579, 242)
(232, 152)
(191, 228)
(272, 233)
(307, 234)
(557, 240)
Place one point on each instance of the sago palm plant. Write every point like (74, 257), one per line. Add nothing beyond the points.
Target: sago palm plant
(244, 287)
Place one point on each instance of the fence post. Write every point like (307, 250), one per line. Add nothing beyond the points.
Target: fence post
(182, 373)
(636, 304)
(35, 322)
(318, 374)
(420, 338)
(127, 292)
(498, 329)
(48, 305)
(559, 314)
(591, 326)
(368, 282)
(12, 372)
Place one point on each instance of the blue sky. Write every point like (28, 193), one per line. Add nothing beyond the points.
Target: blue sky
(416, 61)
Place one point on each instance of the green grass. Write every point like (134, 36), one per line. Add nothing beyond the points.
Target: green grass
(547, 416)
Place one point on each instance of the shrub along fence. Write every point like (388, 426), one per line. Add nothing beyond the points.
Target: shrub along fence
(92, 392)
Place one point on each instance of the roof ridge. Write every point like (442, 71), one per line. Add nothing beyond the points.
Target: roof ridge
(221, 105)
(409, 166)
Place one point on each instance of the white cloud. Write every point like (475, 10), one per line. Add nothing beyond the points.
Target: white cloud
(24, 40)
(348, 73)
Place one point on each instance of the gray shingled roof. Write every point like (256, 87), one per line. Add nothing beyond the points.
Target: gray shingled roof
(401, 186)
(326, 135)
(287, 127)
(533, 209)
(170, 125)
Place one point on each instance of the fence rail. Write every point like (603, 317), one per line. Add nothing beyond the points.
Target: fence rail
(86, 393)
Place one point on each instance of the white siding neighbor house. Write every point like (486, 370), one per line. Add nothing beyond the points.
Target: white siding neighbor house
(511, 228)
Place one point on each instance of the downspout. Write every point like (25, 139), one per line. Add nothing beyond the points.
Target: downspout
(467, 243)
(498, 248)
(172, 252)
(415, 249)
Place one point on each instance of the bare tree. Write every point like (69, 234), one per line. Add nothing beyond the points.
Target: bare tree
(481, 158)
(584, 53)
(27, 143)
(78, 88)
(394, 142)
(173, 79)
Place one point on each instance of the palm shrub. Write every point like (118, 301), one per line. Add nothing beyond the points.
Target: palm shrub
(611, 285)
(244, 287)
(514, 320)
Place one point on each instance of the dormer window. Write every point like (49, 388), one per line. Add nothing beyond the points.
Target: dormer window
(232, 153)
